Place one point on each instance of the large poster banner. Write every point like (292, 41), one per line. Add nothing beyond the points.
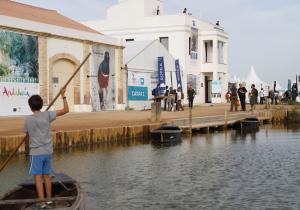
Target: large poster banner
(216, 88)
(161, 74)
(194, 43)
(138, 84)
(216, 91)
(103, 78)
(178, 75)
(18, 72)
(14, 97)
(192, 81)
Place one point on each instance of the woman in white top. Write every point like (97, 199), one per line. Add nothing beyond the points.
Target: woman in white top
(261, 96)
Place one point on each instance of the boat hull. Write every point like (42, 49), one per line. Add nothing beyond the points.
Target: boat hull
(166, 135)
(67, 195)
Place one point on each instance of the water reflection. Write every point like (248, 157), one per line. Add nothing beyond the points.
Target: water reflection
(243, 135)
(217, 170)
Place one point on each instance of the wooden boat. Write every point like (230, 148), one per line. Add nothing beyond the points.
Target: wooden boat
(66, 192)
(248, 125)
(166, 134)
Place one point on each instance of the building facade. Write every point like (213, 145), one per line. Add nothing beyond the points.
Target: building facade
(201, 47)
(40, 49)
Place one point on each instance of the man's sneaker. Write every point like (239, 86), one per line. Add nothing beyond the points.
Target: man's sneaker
(39, 206)
(50, 204)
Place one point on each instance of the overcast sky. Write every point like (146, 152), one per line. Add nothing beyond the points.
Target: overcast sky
(262, 33)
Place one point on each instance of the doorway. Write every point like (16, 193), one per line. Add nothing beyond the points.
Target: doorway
(207, 90)
(62, 70)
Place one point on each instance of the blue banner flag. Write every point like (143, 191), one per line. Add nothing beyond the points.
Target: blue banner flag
(161, 75)
(178, 75)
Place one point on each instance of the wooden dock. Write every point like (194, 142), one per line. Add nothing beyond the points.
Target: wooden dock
(140, 131)
(223, 121)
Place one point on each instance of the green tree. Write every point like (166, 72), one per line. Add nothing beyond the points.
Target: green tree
(4, 71)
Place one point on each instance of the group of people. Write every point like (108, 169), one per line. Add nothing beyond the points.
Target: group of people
(275, 97)
(173, 98)
(238, 96)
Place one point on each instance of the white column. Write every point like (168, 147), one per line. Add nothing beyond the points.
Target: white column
(215, 59)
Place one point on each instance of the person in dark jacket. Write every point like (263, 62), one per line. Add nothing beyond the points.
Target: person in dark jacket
(191, 95)
(294, 92)
(166, 98)
(242, 96)
(253, 97)
(233, 98)
(156, 91)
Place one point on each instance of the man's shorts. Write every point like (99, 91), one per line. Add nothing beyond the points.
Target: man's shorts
(40, 164)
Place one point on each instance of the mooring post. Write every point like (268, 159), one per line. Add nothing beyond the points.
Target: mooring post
(225, 120)
(158, 110)
(190, 118)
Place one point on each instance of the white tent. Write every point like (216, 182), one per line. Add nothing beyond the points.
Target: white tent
(253, 78)
(141, 60)
(279, 87)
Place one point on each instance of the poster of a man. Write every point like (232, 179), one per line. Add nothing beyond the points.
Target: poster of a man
(103, 85)
(194, 43)
(103, 79)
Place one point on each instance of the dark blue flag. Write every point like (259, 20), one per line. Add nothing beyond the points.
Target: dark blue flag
(178, 75)
(161, 75)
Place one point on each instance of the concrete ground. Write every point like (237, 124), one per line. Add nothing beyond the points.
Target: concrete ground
(78, 121)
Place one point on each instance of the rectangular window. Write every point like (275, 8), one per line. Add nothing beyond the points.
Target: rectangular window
(164, 41)
(189, 45)
(221, 52)
(208, 51)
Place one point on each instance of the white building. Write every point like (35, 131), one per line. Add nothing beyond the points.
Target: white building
(200, 46)
(39, 51)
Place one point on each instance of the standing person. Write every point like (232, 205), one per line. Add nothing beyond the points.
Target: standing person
(191, 95)
(261, 96)
(294, 92)
(156, 91)
(175, 100)
(233, 98)
(272, 96)
(242, 95)
(179, 98)
(276, 96)
(38, 128)
(166, 98)
(170, 99)
(253, 97)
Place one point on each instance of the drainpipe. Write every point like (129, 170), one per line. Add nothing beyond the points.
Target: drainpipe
(126, 72)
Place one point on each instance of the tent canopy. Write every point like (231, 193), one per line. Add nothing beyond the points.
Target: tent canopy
(279, 87)
(253, 78)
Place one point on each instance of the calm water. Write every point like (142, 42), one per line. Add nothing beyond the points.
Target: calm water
(215, 171)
